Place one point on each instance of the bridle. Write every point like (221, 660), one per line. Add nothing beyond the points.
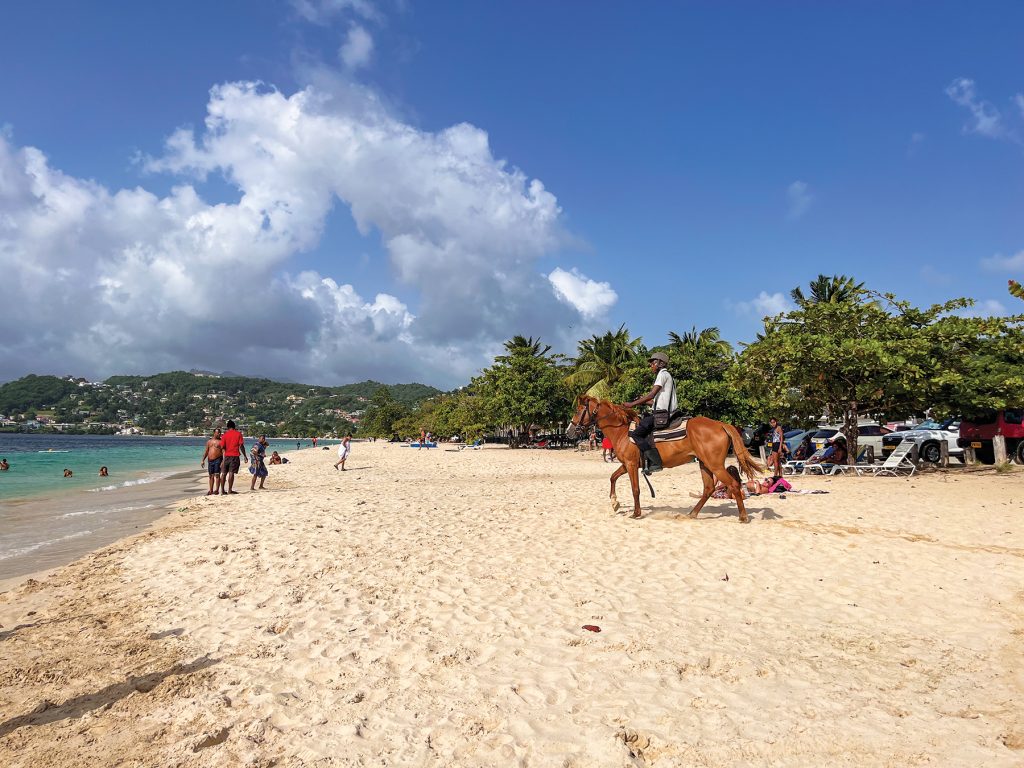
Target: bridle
(590, 413)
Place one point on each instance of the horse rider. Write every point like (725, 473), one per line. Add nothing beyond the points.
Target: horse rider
(663, 396)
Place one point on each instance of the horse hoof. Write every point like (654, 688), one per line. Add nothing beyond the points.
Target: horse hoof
(636, 515)
(744, 519)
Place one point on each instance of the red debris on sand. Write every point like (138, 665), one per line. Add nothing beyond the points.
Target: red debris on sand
(591, 627)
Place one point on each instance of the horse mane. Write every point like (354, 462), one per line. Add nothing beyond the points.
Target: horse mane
(629, 413)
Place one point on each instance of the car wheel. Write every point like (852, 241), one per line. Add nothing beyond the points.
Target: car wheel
(931, 452)
(1019, 453)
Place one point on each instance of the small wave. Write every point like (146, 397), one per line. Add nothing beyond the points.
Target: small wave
(128, 483)
(39, 545)
(106, 509)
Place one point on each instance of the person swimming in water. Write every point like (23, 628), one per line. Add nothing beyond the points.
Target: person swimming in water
(103, 472)
(68, 472)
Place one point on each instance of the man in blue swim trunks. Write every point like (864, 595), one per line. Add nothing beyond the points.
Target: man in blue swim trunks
(214, 454)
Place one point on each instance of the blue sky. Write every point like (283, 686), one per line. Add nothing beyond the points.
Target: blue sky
(371, 208)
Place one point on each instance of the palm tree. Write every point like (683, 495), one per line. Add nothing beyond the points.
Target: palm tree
(825, 289)
(601, 360)
(520, 345)
(696, 341)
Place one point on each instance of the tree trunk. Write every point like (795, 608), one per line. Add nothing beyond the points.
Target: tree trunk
(850, 429)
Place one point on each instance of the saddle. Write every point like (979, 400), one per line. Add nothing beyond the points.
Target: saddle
(676, 429)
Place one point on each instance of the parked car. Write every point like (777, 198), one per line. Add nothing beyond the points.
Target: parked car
(928, 436)
(796, 436)
(868, 433)
(978, 431)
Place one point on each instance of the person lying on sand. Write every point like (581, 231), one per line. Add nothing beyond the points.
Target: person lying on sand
(275, 458)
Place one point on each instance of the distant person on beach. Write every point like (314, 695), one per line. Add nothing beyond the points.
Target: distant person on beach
(103, 472)
(314, 442)
(343, 451)
(776, 444)
(607, 449)
(234, 449)
(4, 466)
(805, 450)
(275, 458)
(423, 437)
(213, 458)
(68, 472)
(258, 467)
(298, 444)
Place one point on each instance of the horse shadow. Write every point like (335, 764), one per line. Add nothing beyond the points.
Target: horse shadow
(666, 512)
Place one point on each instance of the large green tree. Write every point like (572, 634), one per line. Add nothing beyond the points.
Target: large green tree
(382, 415)
(872, 354)
(523, 388)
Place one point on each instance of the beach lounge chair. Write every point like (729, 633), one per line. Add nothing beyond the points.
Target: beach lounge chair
(476, 445)
(860, 466)
(800, 467)
(901, 461)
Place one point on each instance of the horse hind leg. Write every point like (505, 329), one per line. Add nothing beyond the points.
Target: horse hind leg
(709, 488)
(731, 480)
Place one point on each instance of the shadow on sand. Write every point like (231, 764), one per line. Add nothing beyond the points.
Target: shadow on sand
(74, 708)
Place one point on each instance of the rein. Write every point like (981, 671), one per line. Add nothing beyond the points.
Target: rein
(592, 420)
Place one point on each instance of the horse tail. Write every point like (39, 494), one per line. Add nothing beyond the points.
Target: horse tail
(750, 466)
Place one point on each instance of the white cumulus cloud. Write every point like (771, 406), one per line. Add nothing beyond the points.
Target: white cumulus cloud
(589, 297)
(104, 281)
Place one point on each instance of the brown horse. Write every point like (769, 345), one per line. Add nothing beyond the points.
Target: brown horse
(706, 440)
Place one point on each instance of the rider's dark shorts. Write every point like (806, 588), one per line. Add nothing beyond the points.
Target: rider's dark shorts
(214, 466)
(231, 464)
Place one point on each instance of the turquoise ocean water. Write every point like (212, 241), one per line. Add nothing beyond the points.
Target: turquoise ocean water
(47, 520)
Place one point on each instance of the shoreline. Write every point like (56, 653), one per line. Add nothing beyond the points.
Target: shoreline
(427, 608)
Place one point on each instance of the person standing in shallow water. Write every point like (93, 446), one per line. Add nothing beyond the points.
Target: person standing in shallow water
(4, 466)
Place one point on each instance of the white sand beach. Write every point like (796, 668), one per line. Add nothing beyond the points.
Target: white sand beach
(427, 607)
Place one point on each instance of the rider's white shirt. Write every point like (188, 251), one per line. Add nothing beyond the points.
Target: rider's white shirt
(665, 400)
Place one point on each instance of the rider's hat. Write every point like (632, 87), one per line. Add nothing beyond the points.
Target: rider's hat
(658, 356)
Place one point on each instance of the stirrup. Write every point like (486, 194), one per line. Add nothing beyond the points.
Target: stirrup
(653, 462)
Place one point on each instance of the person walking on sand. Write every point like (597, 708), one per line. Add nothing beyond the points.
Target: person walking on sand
(258, 465)
(343, 450)
(234, 449)
(213, 458)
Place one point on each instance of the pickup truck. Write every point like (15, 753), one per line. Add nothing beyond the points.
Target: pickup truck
(978, 431)
(928, 436)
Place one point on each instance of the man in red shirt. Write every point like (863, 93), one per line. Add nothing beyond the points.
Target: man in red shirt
(234, 449)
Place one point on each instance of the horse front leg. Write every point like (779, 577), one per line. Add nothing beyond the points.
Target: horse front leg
(615, 476)
(634, 481)
(709, 488)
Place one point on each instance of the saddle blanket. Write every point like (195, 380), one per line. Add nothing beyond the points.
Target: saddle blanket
(676, 430)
